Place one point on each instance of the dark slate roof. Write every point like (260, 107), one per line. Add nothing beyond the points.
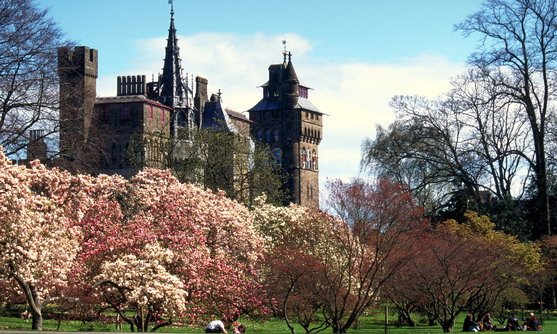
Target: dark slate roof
(266, 104)
(129, 99)
(215, 118)
(290, 73)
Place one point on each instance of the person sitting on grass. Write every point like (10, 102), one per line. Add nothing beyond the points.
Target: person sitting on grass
(470, 325)
(512, 324)
(216, 326)
(238, 328)
(487, 322)
(532, 323)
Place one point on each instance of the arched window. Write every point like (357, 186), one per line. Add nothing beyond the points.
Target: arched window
(268, 135)
(260, 135)
(309, 159)
(276, 133)
(314, 159)
(303, 158)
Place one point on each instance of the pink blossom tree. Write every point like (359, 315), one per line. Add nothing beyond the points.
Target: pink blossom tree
(39, 240)
(215, 250)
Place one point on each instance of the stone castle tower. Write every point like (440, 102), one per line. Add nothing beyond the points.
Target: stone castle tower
(292, 127)
(78, 71)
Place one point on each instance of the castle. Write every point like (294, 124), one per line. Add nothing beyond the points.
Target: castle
(96, 132)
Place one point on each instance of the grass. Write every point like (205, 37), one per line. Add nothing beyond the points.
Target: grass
(370, 324)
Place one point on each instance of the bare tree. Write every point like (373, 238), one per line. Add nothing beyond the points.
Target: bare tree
(519, 55)
(28, 78)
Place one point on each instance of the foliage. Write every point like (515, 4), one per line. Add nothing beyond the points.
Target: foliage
(217, 160)
(348, 261)
(465, 267)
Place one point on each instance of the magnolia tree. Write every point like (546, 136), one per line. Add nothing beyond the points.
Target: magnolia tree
(142, 283)
(39, 240)
(199, 243)
(296, 238)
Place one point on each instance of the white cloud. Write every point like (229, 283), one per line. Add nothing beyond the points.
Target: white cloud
(354, 95)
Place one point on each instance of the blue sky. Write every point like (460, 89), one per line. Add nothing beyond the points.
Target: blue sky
(356, 55)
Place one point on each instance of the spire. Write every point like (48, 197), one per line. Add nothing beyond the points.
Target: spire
(290, 73)
(174, 91)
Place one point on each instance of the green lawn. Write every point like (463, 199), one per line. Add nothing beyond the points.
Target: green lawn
(371, 324)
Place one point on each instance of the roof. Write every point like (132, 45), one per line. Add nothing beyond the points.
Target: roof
(237, 115)
(129, 99)
(266, 104)
(215, 118)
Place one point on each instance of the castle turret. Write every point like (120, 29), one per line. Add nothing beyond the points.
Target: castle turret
(287, 122)
(78, 71)
(290, 84)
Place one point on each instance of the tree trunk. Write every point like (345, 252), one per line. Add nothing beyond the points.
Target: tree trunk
(33, 300)
(37, 321)
(447, 326)
(554, 294)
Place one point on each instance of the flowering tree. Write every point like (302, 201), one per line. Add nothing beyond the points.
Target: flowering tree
(382, 222)
(39, 239)
(349, 259)
(296, 238)
(142, 283)
(207, 241)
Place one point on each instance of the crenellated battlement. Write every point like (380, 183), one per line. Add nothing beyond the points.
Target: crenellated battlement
(79, 61)
(131, 85)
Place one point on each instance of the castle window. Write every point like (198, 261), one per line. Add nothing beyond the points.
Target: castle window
(303, 157)
(125, 116)
(268, 136)
(260, 135)
(314, 159)
(276, 133)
